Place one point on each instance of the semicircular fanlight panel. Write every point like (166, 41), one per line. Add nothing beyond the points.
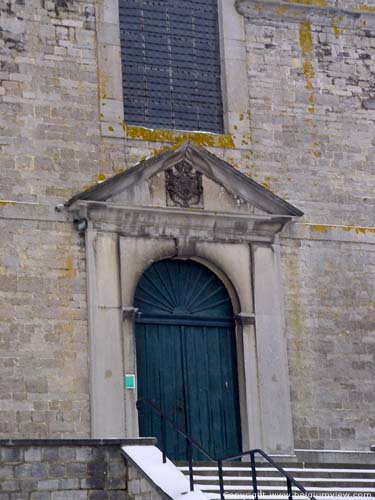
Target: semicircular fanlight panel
(182, 288)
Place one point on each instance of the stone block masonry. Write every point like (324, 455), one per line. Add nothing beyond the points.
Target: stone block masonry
(311, 73)
(67, 470)
(139, 488)
(310, 69)
(43, 328)
(329, 288)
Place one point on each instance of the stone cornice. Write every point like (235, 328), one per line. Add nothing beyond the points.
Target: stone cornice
(39, 442)
(158, 222)
(298, 10)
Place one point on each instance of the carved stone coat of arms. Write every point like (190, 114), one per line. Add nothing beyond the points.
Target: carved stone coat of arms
(184, 186)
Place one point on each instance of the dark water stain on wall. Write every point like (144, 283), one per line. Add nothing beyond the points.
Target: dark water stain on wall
(12, 27)
(60, 5)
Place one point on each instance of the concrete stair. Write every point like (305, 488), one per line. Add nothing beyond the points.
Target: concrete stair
(323, 481)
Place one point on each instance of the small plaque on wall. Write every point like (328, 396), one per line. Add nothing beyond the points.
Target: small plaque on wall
(130, 381)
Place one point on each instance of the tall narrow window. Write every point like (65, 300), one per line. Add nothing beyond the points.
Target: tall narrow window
(171, 64)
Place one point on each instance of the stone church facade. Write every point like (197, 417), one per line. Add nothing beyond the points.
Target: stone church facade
(282, 215)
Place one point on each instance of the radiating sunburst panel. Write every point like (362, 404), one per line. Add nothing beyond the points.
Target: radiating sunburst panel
(182, 288)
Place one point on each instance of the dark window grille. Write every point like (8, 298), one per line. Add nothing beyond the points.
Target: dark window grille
(171, 64)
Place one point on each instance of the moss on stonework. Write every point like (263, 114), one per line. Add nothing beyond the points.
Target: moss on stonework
(166, 135)
(316, 3)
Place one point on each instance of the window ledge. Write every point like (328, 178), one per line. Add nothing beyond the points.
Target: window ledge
(112, 129)
(178, 136)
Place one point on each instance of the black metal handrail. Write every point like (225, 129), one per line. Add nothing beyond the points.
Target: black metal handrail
(290, 481)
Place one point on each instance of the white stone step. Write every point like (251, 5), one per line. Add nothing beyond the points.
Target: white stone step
(287, 469)
(234, 487)
(281, 478)
(250, 496)
(349, 483)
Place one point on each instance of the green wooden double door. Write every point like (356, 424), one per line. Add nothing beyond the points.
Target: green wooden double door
(186, 357)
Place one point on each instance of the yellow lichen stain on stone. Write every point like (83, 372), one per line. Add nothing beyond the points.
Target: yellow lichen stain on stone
(335, 26)
(306, 43)
(309, 73)
(224, 141)
(4, 203)
(100, 177)
(366, 8)
(69, 271)
(306, 38)
(315, 152)
(268, 179)
(233, 161)
(103, 82)
(336, 30)
(314, 3)
(3, 270)
(315, 149)
(281, 10)
(311, 107)
(242, 117)
(111, 129)
(321, 228)
(247, 136)
(165, 135)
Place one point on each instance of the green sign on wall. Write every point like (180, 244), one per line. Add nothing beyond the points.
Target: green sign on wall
(129, 381)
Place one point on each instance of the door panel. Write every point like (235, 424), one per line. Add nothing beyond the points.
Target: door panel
(210, 384)
(186, 357)
(159, 367)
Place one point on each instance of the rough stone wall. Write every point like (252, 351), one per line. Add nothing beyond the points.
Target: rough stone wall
(311, 101)
(312, 112)
(139, 488)
(329, 293)
(311, 84)
(49, 147)
(50, 142)
(43, 341)
(62, 472)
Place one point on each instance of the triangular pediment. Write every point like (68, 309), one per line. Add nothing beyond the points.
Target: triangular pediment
(187, 177)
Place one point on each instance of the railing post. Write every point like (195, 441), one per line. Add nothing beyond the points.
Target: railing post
(163, 438)
(190, 459)
(221, 479)
(254, 475)
(289, 486)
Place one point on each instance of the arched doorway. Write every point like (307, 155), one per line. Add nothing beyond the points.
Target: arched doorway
(186, 356)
